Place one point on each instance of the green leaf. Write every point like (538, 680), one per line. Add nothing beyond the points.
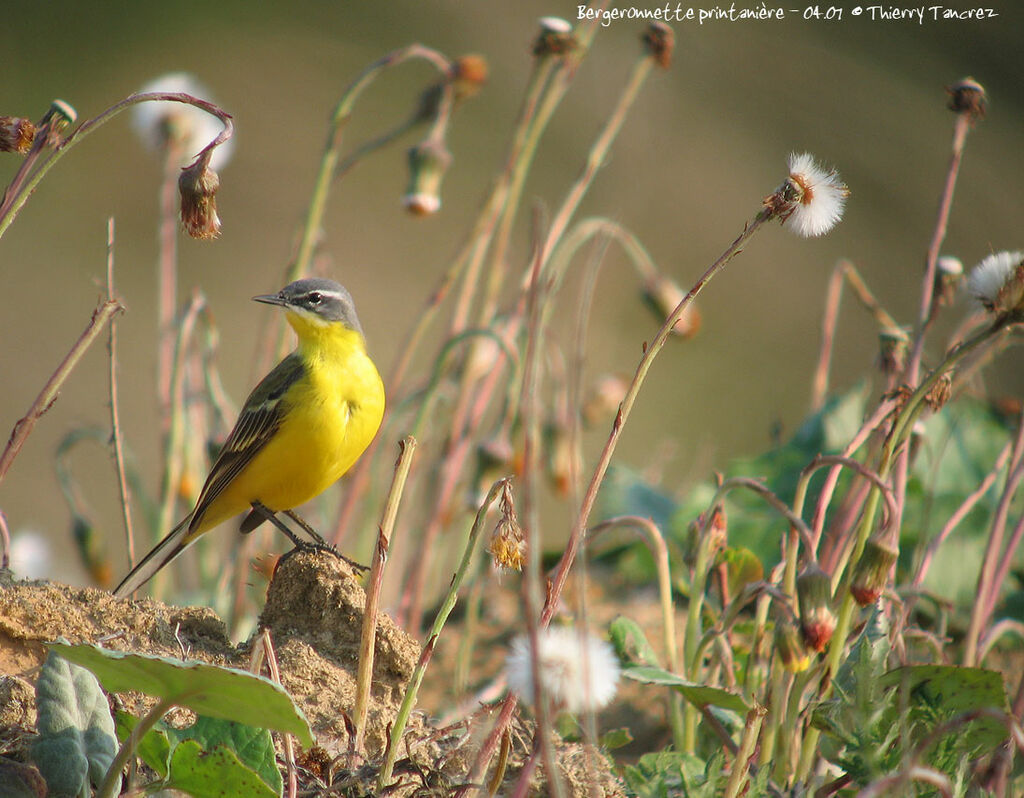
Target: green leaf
(76, 744)
(217, 773)
(630, 642)
(616, 738)
(206, 689)
(20, 780)
(743, 567)
(950, 690)
(697, 694)
(253, 746)
(154, 748)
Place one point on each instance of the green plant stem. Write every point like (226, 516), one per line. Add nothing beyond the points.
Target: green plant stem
(127, 749)
(409, 701)
(741, 764)
(368, 636)
(14, 204)
(656, 543)
(332, 151)
(901, 429)
(48, 395)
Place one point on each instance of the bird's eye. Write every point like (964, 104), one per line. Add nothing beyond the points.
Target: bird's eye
(314, 298)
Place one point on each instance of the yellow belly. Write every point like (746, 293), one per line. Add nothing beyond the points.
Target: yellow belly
(334, 413)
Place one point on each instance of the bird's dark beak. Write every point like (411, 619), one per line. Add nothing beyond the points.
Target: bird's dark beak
(270, 299)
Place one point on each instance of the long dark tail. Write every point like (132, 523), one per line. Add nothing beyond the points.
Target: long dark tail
(166, 550)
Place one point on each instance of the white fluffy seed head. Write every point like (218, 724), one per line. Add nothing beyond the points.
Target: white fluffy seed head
(157, 123)
(577, 671)
(997, 283)
(820, 197)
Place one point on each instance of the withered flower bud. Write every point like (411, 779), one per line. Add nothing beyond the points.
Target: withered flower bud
(949, 273)
(555, 38)
(717, 535)
(507, 547)
(939, 394)
(814, 596)
(893, 347)
(198, 186)
(967, 96)
(871, 574)
(560, 456)
(16, 134)
(604, 398)
(428, 161)
(56, 119)
(660, 41)
(794, 655)
(469, 74)
(663, 295)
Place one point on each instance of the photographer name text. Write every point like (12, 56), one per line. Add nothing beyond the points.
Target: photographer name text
(763, 12)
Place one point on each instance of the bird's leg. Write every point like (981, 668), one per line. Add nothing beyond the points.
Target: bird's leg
(298, 519)
(269, 515)
(318, 543)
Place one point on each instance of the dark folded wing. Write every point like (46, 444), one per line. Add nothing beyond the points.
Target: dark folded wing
(259, 420)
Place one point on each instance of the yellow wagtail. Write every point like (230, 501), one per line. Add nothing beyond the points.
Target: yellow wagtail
(301, 428)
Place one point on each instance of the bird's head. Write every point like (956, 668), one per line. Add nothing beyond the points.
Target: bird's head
(315, 305)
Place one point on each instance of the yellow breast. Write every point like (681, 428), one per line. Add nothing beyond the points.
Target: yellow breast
(332, 414)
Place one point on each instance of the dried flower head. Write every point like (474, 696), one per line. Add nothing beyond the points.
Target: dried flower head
(16, 134)
(558, 445)
(814, 595)
(660, 41)
(949, 273)
(507, 547)
(469, 74)
(555, 37)
(198, 186)
(577, 671)
(871, 574)
(663, 295)
(939, 393)
(967, 96)
(893, 347)
(811, 201)
(604, 398)
(428, 161)
(997, 283)
(188, 129)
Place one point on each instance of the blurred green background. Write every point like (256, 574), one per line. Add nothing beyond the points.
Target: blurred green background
(706, 141)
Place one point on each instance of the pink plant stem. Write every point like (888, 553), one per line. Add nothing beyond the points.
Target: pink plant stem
(590, 496)
(833, 295)
(829, 486)
(988, 589)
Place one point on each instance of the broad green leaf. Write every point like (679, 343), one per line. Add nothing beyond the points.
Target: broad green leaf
(216, 773)
(154, 748)
(616, 738)
(743, 567)
(205, 689)
(253, 746)
(76, 744)
(699, 695)
(950, 690)
(630, 642)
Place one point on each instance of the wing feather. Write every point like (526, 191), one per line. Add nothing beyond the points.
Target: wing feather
(260, 418)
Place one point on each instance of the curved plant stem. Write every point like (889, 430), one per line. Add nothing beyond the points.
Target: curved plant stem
(127, 749)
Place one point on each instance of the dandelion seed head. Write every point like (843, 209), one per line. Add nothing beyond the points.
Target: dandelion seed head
(997, 283)
(816, 197)
(190, 128)
(577, 673)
